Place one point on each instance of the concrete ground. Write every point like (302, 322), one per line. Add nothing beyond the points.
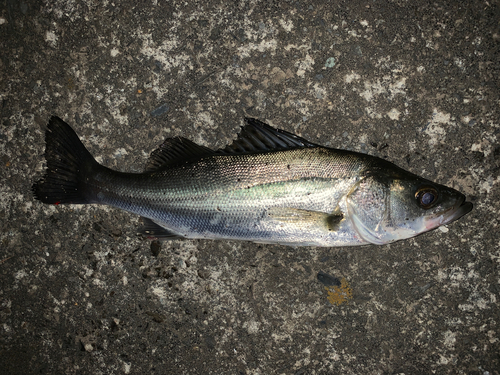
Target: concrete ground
(414, 82)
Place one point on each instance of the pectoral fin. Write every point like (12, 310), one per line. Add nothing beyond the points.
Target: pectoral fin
(306, 218)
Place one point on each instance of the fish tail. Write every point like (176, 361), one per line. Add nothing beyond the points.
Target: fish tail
(69, 164)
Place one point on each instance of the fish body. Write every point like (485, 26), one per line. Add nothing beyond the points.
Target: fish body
(268, 186)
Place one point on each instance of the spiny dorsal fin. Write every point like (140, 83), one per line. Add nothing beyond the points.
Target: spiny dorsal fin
(175, 150)
(257, 136)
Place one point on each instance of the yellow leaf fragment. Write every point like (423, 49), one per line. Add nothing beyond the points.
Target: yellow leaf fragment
(339, 294)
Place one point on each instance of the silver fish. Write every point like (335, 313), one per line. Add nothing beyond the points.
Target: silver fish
(268, 186)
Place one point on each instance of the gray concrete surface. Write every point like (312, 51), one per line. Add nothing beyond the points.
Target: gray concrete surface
(414, 82)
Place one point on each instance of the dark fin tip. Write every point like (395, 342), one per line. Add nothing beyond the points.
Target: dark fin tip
(333, 221)
(67, 160)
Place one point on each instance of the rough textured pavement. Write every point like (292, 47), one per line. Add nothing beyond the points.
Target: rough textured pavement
(416, 83)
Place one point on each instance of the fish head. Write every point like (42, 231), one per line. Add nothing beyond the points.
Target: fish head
(392, 207)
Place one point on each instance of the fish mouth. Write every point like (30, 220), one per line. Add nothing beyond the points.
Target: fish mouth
(459, 209)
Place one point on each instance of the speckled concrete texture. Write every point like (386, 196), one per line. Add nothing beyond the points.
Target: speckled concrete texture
(414, 82)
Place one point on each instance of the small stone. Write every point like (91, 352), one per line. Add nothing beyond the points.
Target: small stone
(327, 279)
(160, 110)
(155, 248)
(203, 274)
(330, 62)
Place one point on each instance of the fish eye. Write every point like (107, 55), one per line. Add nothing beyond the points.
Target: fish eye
(426, 197)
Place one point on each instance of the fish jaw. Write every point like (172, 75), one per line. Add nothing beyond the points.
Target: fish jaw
(449, 215)
(428, 223)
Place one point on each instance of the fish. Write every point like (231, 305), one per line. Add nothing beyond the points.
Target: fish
(268, 186)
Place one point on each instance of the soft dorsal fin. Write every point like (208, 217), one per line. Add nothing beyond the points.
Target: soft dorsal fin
(175, 150)
(257, 136)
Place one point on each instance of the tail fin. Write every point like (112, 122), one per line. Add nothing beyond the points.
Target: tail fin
(68, 162)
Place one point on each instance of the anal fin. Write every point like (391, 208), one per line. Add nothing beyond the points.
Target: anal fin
(152, 230)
